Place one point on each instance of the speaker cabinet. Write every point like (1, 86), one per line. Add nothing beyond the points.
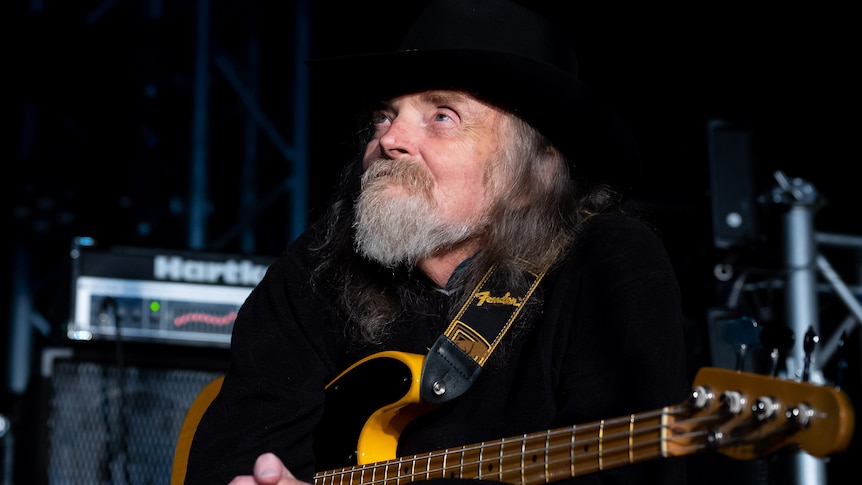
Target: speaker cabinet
(732, 184)
(114, 418)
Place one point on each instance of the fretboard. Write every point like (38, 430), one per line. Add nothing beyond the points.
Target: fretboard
(529, 459)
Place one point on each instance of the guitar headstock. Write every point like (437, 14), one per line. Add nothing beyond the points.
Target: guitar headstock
(748, 416)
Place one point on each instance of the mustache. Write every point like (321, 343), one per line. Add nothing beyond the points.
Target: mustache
(405, 172)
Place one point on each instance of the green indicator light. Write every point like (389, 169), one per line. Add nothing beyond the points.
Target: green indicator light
(155, 306)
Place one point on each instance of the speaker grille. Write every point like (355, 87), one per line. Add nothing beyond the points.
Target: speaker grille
(117, 425)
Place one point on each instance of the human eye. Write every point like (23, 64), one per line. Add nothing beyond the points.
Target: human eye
(442, 117)
(445, 114)
(379, 117)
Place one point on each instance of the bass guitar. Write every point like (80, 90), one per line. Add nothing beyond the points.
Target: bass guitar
(741, 415)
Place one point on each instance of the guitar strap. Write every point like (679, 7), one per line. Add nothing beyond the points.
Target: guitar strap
(456, 358)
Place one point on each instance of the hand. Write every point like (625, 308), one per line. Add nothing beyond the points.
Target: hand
(268, 470)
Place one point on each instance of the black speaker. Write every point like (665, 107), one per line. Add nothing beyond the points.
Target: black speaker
(732, 185)
(113, 417)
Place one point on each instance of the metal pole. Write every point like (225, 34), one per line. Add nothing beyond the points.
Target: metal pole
(248, 187)
(802, 309)
(20, 343)
(197, 210)
(299, 200)
(801, 304)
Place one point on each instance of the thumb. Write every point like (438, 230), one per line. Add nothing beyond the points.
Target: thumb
(269, 470)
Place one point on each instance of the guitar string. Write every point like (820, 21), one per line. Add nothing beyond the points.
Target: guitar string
(582, 443)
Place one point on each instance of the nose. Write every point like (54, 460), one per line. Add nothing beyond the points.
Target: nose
(400, 139)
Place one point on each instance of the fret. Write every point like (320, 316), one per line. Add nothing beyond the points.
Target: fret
(547, 455)
(471, 461)
(627, 440)
(503, 456)
(535, 458)
(500, 460)
(601, 441)
(665, 426)
(523, 454)
(409, 473)
(579, 450)
(601, 445)
(428, 466)
(481, 464)
(437, 464)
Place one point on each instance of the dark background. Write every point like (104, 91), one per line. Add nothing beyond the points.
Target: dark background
(101, 131)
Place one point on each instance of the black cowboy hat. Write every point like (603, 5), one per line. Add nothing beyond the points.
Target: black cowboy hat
(506, 54)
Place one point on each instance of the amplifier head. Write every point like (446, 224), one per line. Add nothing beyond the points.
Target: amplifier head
(169, 296)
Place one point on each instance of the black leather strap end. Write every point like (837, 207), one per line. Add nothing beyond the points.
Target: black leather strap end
(447, 373)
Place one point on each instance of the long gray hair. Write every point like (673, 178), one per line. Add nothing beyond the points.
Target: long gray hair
(534, 222)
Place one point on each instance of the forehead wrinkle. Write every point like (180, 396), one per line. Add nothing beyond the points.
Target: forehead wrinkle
(443, 97)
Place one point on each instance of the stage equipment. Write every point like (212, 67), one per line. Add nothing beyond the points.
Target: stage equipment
(115, 418)
(168, 296)
(732, 184)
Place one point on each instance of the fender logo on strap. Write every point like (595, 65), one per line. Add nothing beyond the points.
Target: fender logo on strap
(507, 299)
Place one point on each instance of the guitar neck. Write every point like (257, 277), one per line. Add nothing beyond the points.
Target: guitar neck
(529, 459)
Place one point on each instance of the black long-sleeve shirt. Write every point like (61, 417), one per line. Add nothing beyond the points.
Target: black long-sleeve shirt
(606, 342)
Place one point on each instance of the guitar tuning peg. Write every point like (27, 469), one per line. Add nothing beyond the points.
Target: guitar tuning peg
(799, 416)
(764, 408)
(811, 339)
(732, 402)
(808, 344)
(699, 398)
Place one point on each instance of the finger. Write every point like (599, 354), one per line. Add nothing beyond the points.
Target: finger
(269, 470)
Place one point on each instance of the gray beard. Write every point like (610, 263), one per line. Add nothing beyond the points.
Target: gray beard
(404, 227)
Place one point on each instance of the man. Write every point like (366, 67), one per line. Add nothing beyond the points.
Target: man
(465, 210)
